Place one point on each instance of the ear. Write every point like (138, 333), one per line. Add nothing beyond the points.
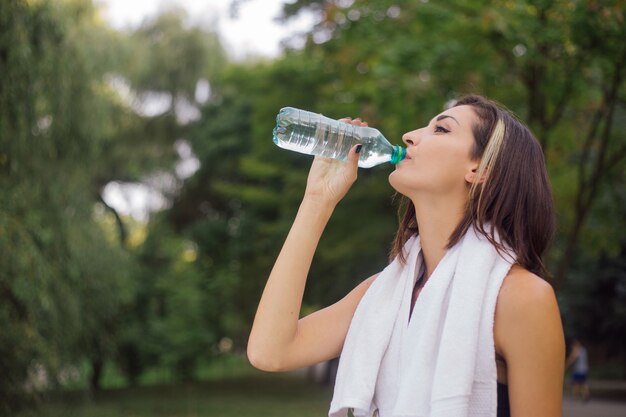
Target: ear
(471, 176)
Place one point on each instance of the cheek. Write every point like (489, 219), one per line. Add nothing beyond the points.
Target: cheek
(447, 161)
(436, 171)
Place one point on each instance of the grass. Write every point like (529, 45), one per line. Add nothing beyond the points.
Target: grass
(228, 387)
(248, 393)
(224, 366)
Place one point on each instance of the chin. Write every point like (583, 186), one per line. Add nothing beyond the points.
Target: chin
(406, 183)
(396, 182)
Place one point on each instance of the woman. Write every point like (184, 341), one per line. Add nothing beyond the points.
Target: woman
(473, 171)
(578, 359)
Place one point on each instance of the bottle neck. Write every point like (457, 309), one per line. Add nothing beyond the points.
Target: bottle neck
(398, 154)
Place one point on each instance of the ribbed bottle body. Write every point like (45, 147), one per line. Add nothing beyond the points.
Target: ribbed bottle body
(314, 134)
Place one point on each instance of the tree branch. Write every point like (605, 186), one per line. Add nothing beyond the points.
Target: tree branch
(587, 189)
(20, 309)
(591, 135)
(567, 93)
(616, 158)
(118, 220)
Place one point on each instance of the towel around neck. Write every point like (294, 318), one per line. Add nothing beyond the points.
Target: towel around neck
(442, 361)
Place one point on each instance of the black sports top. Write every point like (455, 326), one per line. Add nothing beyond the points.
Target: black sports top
(503, 401)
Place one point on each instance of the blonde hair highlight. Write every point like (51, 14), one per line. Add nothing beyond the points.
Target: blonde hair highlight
(489, 158)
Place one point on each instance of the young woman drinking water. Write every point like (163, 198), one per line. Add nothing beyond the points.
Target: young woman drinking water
(460, 323)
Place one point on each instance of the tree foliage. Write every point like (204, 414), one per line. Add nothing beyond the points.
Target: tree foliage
(62, 282)
(66, 130)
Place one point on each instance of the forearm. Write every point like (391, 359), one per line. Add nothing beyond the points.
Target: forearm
(276, 321)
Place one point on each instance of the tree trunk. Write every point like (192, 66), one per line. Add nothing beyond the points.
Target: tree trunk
(97, 365)
(598, 141)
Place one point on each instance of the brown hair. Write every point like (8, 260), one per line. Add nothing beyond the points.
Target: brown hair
(515, 197)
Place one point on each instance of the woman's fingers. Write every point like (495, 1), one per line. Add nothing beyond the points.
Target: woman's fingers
(350, 120)
(353, 155)
(350, 171)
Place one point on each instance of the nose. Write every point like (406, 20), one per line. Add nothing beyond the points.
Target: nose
(410, 138)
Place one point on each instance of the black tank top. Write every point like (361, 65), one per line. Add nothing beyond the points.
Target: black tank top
(503, 401)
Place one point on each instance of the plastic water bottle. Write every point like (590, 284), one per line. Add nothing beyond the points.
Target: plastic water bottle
(314, 134)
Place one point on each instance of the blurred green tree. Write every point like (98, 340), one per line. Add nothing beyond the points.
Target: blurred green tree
(594, 305)
(239, 206)
(61, 288)
(173, 320)
(73, 117)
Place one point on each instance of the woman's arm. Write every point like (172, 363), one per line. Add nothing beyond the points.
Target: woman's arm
(529, 334)
(277, 341)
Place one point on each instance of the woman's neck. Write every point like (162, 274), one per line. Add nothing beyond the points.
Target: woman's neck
(436, 221)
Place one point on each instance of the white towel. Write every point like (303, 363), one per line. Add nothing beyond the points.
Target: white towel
(444, 358)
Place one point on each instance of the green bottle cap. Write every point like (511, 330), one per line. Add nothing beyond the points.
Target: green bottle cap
(399, 153)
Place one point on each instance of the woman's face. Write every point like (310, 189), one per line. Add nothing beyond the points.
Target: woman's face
(438, 156)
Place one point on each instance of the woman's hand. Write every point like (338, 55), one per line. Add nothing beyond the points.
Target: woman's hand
(330, 179)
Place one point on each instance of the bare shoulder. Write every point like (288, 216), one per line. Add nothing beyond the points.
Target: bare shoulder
(528, 333)
(525, 302)
(523, 290)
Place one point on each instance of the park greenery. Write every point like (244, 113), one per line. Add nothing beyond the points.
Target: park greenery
(84, 288)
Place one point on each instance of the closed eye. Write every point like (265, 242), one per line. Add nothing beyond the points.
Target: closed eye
(441, 129)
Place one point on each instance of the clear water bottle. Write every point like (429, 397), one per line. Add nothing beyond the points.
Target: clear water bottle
(314, 134)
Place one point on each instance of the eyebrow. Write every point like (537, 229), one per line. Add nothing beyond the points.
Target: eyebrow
(445, 116)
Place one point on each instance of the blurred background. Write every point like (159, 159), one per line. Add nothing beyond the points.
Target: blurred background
(143, 202)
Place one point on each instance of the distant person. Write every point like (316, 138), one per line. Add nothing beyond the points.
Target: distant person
(580, 367)
(459, 323)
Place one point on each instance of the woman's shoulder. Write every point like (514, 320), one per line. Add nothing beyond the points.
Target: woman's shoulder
(525, 305)
(522, 293)
(522, 285)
